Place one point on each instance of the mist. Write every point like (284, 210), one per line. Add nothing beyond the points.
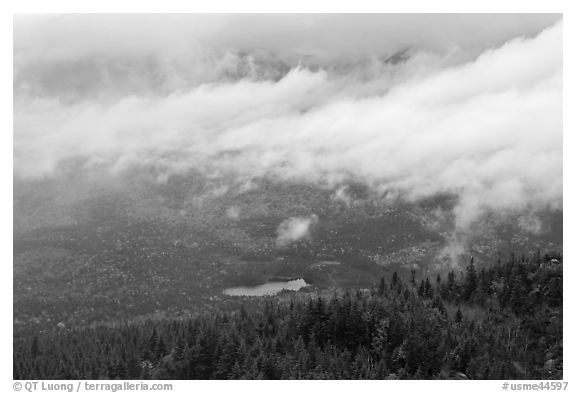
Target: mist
(294, 229)
(402, 104)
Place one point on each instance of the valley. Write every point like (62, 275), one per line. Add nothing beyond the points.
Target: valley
(127, 252)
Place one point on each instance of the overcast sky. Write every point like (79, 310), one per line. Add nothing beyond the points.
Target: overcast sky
(412, 105)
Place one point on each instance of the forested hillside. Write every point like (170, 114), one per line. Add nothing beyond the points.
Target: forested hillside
(502, 321)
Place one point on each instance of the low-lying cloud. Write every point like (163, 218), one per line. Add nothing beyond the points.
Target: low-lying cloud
(294, 229)
(474, 115)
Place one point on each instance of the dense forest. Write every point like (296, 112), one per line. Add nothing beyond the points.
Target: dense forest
(502, 321)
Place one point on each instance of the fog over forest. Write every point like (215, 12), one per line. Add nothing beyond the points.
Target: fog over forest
(410, 105)
(288, 196)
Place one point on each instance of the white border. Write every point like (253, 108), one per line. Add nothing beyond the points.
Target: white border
(246, 6)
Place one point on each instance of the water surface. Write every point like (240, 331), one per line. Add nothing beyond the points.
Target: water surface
(267, 289)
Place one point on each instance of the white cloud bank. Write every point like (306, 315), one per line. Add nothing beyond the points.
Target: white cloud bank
(294, 229)
(487, 128)
(325, 37)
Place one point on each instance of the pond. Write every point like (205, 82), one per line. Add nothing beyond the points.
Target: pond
(268, 289)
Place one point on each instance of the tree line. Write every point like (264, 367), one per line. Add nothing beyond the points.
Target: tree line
(502, 321)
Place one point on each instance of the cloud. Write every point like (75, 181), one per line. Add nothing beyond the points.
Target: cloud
(112, 55)
(483, 123)
(294, 229)
(325, 36)
(530, 223)
(340, 195)
(233, 212)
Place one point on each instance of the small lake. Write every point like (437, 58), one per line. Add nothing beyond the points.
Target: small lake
(267, 289)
